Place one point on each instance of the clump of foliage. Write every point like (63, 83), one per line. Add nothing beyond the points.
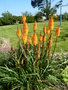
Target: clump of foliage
(65, 74)
(31, 66)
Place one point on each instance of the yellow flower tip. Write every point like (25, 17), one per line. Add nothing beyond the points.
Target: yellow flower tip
(51, 23)
(44, 38)
(47, 30)
(35, 26)
(40, 37)
(12, 49)
(38, 46)
(34, 39)
(24, 39)
(18, 33)
(44, 29)
(57, 33)
(50, 43)
(23, 18)
(22, 61)
(38, 53)
(29, 40)
(35, 22)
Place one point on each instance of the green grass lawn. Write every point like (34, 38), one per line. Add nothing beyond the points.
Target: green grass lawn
(9, 31)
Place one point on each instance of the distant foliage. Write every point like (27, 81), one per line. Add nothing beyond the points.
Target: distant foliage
(9, 19)
(6, 18)
(65, 16)
(30, 19)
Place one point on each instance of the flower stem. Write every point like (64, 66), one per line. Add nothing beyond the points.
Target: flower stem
(33, 51)
(16, 60)
(48, 56)
(54, 48)
(19, 47)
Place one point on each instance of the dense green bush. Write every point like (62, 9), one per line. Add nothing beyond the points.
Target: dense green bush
(30, 19)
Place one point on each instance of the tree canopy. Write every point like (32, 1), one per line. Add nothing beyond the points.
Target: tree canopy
(39, 3)
(46, 6)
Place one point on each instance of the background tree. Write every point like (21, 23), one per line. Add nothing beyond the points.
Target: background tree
(7, 18)
(46, 6)
(65, 16)
(38, 16)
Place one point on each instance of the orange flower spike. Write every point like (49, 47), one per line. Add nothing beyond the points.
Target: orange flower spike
(35, 26)
(26, 32)
(24, 39)
(40, 37)
(44, 29)
(44, 39)
(18, 33)
(51, 23)
(34, 39)
(23, 18)
(57, 33)
(29, 40)
(25, 28)
(47, 30)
